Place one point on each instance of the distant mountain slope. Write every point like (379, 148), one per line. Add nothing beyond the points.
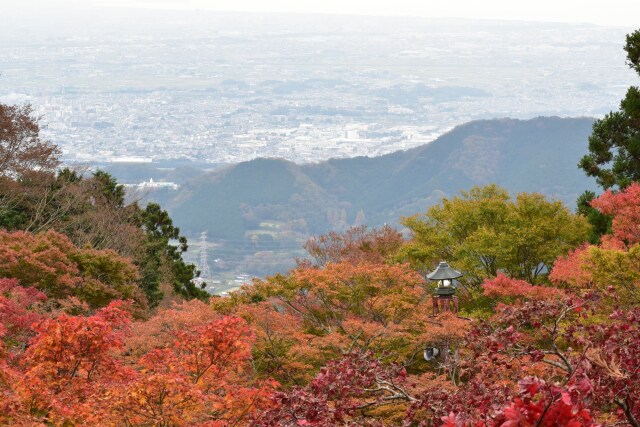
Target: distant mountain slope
(522, 155)
(539, 155)
(231, 201)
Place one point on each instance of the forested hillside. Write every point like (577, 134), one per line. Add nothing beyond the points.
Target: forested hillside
(521, 155)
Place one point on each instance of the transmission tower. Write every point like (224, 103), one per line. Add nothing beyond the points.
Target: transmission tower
(203, 258)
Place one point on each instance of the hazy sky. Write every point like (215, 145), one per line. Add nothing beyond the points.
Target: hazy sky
(610, 12)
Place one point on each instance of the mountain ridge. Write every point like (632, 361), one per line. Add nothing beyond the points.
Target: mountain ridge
(538, 154)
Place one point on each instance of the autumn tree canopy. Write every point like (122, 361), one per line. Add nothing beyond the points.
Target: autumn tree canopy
(22, 151)
(484, 231)
(614, 263)
(50, 263)
(334, 344)
(356, 245)
(75, 371)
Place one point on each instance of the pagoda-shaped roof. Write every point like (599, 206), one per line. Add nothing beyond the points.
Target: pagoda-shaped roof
(444, 272)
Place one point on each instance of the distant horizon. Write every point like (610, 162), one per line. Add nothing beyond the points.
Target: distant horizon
(363, 15)
(617, 13)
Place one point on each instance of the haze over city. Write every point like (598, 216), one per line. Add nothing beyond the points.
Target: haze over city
(162, 80)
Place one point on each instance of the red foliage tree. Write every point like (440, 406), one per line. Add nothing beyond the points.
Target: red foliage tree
(537, 404)
(583, 366)
(339, 395)
(507, 288)
(70, 363)
(613, 263)
(625, 207)
(74, 372)
(18, 310)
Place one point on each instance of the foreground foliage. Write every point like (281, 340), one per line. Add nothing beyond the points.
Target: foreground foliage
(75, 372)
(338, 341)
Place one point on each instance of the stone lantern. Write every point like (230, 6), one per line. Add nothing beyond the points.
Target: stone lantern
(445, 298)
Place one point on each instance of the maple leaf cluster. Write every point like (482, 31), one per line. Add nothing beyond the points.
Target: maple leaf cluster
(75, 371)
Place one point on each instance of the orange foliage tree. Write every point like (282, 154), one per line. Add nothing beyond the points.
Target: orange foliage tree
(69, 367)
(203, 377)
(76, 371)
(356, 245)
(52, 264)
(163, 326)
(313, 315)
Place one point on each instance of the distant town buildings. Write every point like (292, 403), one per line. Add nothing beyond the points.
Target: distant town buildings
(246, 89)
(152, 185)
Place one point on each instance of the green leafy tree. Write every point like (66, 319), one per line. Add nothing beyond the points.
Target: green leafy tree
(614, 145)
(601, 223)
(107, 186)
(146, 235)
(614, 148)
(483, 232)
(161, 233)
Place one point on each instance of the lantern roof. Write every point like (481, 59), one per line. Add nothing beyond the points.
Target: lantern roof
(444, 272)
